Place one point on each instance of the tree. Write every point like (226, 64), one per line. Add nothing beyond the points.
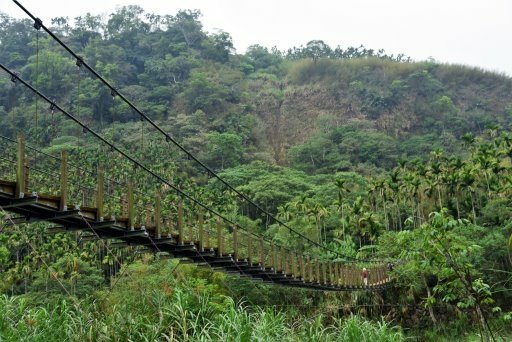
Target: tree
(261, 58)
(316, 49)
(186, 25)
(217, 47)
(443, 249)
(225, 149)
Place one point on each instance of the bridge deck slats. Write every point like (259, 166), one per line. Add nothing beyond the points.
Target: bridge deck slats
(32, 208)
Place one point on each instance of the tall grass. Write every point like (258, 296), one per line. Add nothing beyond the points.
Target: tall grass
(175, 319)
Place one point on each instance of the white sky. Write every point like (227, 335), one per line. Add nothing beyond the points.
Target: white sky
(470, 32)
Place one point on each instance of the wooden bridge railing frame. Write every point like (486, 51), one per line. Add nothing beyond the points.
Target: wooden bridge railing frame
(281, 260)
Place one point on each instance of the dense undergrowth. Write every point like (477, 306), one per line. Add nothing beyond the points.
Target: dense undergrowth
(157, 302)
(174, 319)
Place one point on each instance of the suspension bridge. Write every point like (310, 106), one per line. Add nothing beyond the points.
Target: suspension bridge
(152, 211)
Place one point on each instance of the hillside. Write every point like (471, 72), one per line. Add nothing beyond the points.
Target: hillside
(308, 108)
(401, 109)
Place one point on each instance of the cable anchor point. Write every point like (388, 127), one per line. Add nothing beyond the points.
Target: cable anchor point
(79, 62)
(15, 76)
(38, 23)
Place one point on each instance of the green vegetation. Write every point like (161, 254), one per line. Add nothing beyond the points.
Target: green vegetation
(188, 309)
(372, 154)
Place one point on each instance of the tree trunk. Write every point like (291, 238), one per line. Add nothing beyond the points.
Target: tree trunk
(473, 206)
(385, 211)
(430, 309)
(439, 197)
(399, 214)
(457, 203)
(483, 323)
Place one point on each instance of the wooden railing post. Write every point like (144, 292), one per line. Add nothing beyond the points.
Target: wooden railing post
(341, 275)
(297, 271)
(349, 273)
(63, 204)
(207, 239)
(262, 252)
(344, 275)
(235, 244)
(301, 265)
(200, 223)
(282, 260)
(336, 274)
(317, 269)
(273, 256)
(131, 208)
(20, 166)
(158, 216)
(331, 273)
(220, 239)
(189, 222)
(309, 269)
(180, 223)
(249, 248)
(324, 272)
(26, 170)
(149, 217)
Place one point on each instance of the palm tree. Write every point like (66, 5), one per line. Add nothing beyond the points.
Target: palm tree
(342, 190)
(284, 212)
(319, 211)
(467, 180)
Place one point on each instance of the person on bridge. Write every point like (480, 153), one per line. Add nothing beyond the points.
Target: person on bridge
(365, 276)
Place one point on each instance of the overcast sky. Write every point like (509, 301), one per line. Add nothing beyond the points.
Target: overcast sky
(470, 32)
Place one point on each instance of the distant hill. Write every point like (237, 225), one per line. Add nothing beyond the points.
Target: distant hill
(371, 109)
(315, 108)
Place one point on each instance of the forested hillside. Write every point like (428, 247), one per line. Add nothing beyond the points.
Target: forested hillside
(371, 154)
